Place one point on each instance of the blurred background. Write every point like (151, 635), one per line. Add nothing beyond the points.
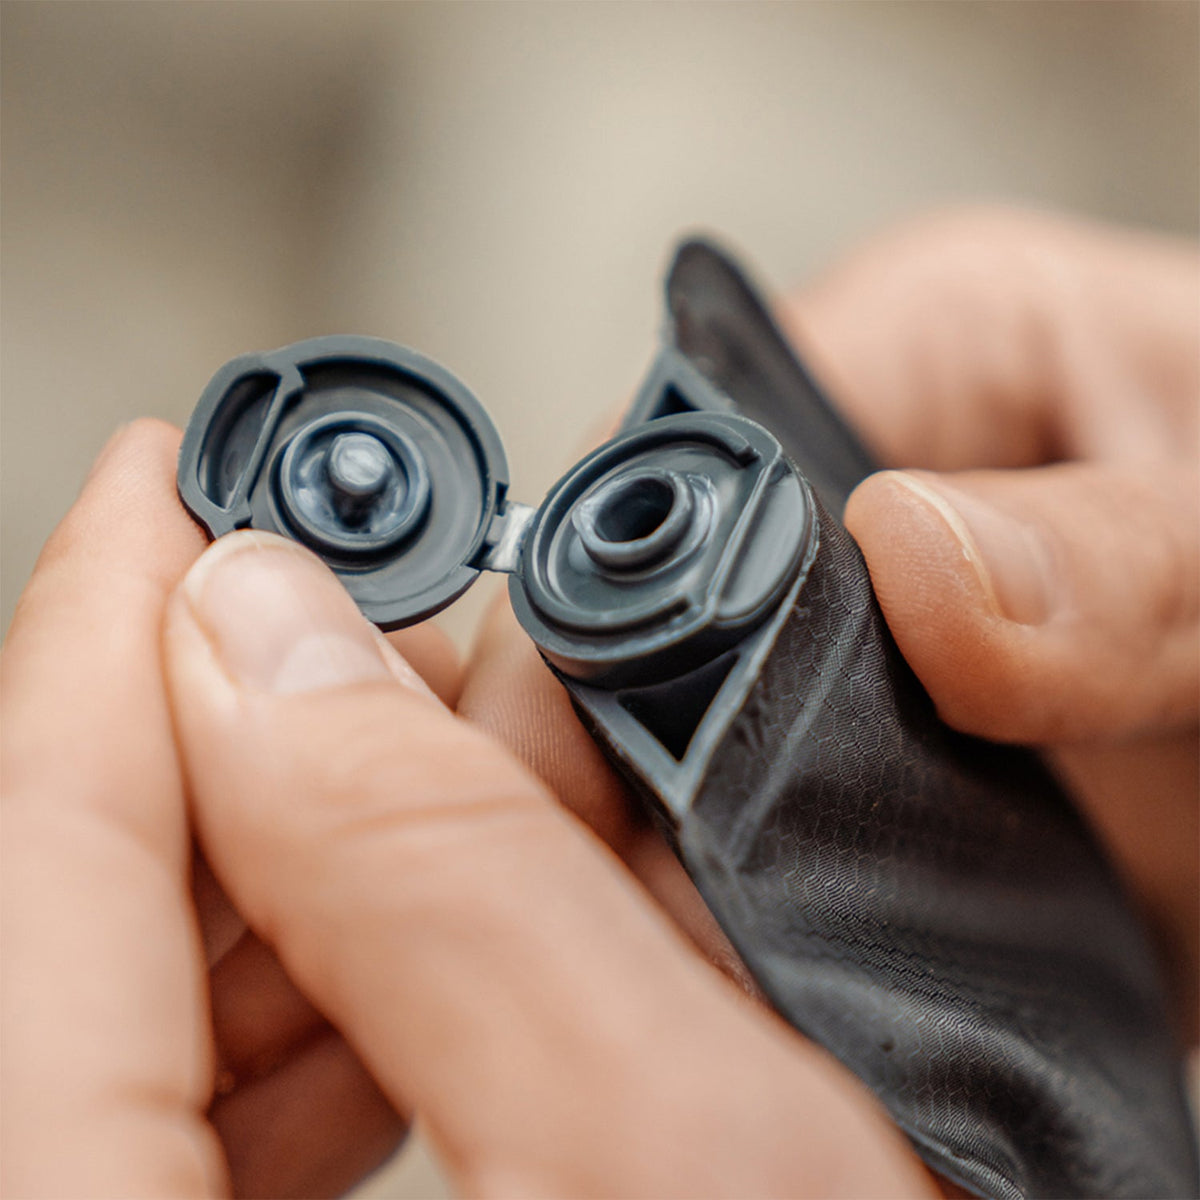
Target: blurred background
(499, 185)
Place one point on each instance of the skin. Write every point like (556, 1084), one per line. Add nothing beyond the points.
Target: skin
(277, 896)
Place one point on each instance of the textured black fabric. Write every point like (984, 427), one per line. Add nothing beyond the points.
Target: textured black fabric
(719, 323)
(930, 908)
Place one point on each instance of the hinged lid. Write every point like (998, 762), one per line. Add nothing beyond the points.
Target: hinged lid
(369, 453)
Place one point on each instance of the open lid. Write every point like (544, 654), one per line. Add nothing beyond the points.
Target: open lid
(382, 462)
(368, 453)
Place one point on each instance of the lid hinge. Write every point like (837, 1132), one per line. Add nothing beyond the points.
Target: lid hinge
(506, 534)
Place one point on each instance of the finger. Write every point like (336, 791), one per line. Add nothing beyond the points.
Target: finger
(221, 925)
(296, 1111)
(993, 338)
(510, 693)
(512, 696)
(1142, 796)
(1042, 606)
(314, 1127)
(259, 1017)
(107, 1059)
(487, 958)
(432, 655)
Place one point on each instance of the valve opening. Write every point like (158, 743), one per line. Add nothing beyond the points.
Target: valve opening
(634, 508)
(636, 520)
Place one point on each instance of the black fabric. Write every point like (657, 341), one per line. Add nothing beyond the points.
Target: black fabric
(723, 328)
(931, 909)
(928, 906)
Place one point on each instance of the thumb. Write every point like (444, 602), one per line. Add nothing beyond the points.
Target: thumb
(490, 961)
(1046, 605)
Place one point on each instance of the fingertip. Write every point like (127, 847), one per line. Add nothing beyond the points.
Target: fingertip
(421, 657)
(942, 606)
(917, 546)
(141, 438)
(1008, 556)
(1040, 606)
(128, 516)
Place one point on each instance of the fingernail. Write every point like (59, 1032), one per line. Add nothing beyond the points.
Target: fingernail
(278, 620)
(1008, 556)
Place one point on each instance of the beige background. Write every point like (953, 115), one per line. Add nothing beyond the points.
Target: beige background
(498, 185)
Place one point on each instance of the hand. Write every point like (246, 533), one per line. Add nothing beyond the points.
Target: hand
(429, 929)
(128, 998)
(1039, 571)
